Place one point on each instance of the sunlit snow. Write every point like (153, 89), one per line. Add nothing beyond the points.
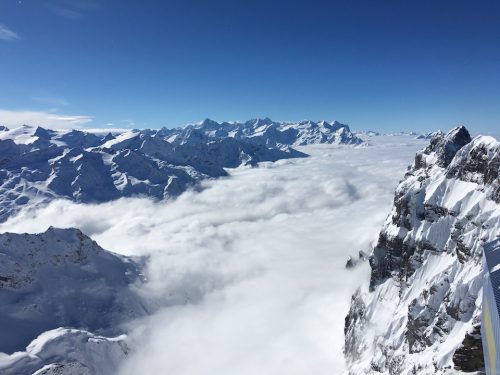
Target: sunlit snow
(247, 276)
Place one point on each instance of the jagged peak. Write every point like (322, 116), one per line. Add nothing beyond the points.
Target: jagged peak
(41, 132)
(207, 122)
(446, 146)
(459, 134)
(190, 135)
(478, 162)
(108, 137)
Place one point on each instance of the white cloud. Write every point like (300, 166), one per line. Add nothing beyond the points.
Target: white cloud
(249, 273)
(7, 34)
(50, 120)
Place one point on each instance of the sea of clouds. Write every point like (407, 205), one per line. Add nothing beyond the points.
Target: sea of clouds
(247, 275)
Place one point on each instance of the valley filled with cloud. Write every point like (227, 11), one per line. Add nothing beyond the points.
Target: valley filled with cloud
(247, 274)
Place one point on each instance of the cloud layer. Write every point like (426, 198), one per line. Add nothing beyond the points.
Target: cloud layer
(50, 120)
(248, 275)
(7, 34)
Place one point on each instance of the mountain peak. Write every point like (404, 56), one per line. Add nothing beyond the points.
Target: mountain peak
(427, 262)
(207, 122)
(260, 121)
(41, 132)
(459, 136)
(446, 146)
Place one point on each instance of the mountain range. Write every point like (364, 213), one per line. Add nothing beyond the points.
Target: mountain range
(38, 165)
(420, 313)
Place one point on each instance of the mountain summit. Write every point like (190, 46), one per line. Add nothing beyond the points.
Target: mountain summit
(422, 312)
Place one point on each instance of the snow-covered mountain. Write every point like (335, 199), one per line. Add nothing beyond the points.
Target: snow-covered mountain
(277, 134)
(65, 351)
(421, 312)
(61, 278)
(38, 165)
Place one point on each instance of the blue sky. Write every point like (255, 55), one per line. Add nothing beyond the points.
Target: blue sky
(383, 65)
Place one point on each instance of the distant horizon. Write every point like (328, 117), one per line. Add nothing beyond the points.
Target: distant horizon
(103, 129)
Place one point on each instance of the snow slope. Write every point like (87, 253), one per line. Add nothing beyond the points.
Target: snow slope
(421, 313)
(61, 278)
(64, 351)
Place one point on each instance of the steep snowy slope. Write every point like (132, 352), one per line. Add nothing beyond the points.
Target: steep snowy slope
(278, 134)
(38, 165)
(61, 278)
(64, 351)
(421, 314)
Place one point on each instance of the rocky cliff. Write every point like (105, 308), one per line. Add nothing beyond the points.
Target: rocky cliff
(420, 313)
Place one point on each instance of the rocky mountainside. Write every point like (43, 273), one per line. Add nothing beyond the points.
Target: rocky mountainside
(61, 278)
(421, 311)
(38, 165)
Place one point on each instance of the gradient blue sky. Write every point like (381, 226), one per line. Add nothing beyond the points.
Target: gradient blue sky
(383, 65)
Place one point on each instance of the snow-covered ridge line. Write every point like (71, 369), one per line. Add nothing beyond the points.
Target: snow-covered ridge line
(277, 134)
(62, 278)
(257, 131)
(421, 314)
(38, 165)
(65, 351)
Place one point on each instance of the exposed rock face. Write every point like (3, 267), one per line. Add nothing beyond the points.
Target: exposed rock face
(469, 355)
(355, 320)
(421, 312)
(444, 147)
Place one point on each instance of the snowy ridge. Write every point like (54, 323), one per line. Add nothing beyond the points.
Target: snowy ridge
(38, 165)
(278, 134)
(67, 352)
(421, 314)
(61, 278)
